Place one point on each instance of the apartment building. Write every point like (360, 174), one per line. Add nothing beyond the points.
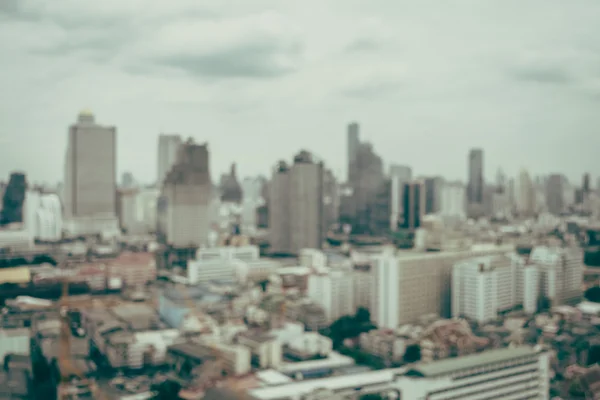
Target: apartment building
(334, 291)
(561, 272)
(482, 287)
(409, 284)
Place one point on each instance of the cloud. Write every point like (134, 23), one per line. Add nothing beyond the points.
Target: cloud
(363, 44)
(370, 84)
(253, 46)
(543, 74)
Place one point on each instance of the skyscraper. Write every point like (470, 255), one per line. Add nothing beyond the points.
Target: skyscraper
(525, 195)
(184, 217)
(586, 183)
(168, 146)
(353, 143)
(90, 169)
(475, 185)
(433, 193)
(296, 205)
(555, 194)
(414, 195)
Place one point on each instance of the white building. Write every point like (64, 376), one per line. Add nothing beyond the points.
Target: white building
(509, 373)
(482, 287)
(90, 174)
(561, 272)
(226, 263)
(453, 200)
(525, 195)
(333, 291)
(168, 146)
(384, 311)
(42, 216)
(138, 209)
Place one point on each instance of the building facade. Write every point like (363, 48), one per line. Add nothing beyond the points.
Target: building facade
(168, 147)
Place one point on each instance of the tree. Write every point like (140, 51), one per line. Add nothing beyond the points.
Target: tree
(412, 353)
(575, 388)
(363, 315)
(593, 294)
(371, 396)
(167, 390)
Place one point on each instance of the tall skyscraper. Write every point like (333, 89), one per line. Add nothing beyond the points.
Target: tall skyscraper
(586, 183)
(184, 216)
(414, 194)
(475, 185)
(296, 205)
(525, 195)
(168, 147)
(90, 169)
(353, 143)
(433, 193)
(555, 194)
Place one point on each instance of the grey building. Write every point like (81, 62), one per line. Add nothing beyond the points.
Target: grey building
(168, 147)
(433, 194)
(555, 193)
(90, 169)
(414, 195)
(296, 205)
(475, 184)
(353, 143)
(184, 217)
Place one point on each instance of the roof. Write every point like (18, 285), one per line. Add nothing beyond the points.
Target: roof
(15, 275)
(190, 350)
(451, 365)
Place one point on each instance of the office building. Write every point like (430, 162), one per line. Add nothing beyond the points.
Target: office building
(508, 373)
(453, 201)
(413, 204)
(137, 209)
(476, 182)
(168, 147)
(525, 195)
(334, 291)
(486, 286)
(399, 176)
(555, 194)
(90, 169)
(433, 194)
(561, 273)
(184, 206)
(353, 144)
(411, 283)
(586, 183)
(296, 205)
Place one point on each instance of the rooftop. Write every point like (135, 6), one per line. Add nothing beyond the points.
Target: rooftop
(451, 365)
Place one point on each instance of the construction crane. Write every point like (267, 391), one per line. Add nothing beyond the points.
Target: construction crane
(73, 383)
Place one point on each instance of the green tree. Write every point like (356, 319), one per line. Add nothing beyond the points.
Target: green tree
(412, 353)
(167, 390)
(593, 294)
(371, 396)
(363, 315)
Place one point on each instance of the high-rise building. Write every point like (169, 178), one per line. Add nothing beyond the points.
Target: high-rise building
(475, 186)
(127, 180)
(296, 205)
(353, 144)
(184, 207)
(168, 147)
(333, 291)
(586, 183)
(399, 176)
(525, 195)
(555, 194)
(414, 194)
(561, 273)
(433, 194)
(453, 200)
(412, 284)
(90, 169)
(483, 287)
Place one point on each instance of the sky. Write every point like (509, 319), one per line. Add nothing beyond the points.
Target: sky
(260, 80)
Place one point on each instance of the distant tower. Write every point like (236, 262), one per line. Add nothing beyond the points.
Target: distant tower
(168, 147)
(475, 185)
(184, 217)
(296, 205)
(555, 189)
(90, 169)
(414, 194)
(586, 183)
(353, 144)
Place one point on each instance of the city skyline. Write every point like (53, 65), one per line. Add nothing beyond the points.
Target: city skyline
(262, 85)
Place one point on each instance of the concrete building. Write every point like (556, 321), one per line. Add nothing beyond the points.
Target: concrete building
(413, 204)
(333, 291)
(296, 205)
(399, 176)
(42, 216)
(168, 146)
(433, 194)
(90, 168)
(509, 373)
(525, 195)
(453, 200)
(183, 210)
(483, 287)
(353, 144)
(476, 182)
(409, 284)
(561, 273)
(555, 194)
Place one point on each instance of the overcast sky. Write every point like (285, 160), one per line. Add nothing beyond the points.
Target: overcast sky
(261, 79)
